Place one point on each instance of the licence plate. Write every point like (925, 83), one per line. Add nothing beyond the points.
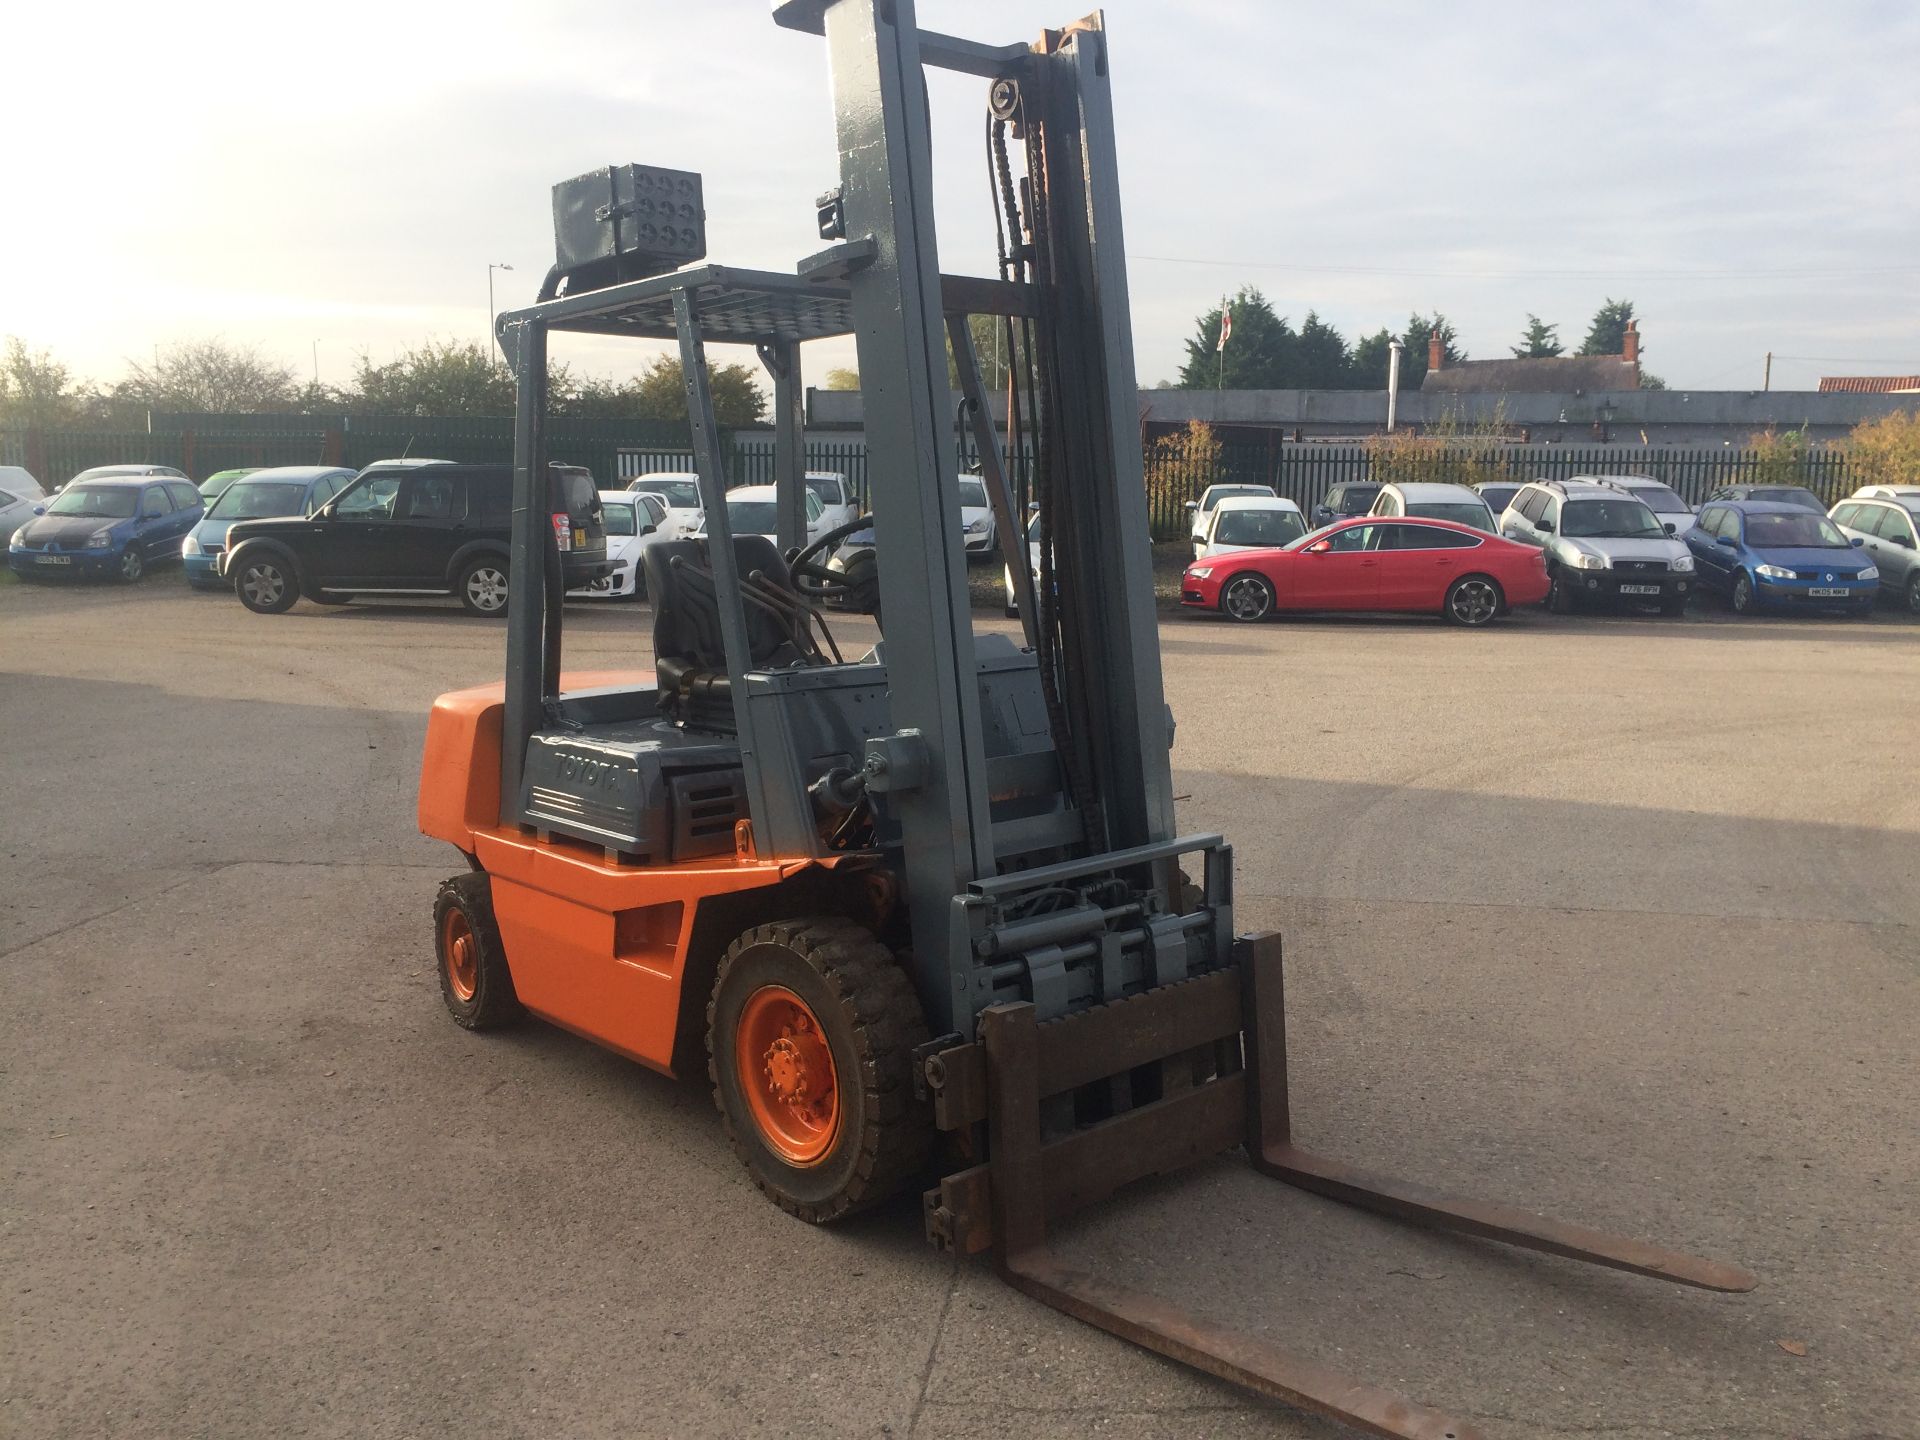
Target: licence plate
(53, 559)
(1834, 594)
(1639, 589)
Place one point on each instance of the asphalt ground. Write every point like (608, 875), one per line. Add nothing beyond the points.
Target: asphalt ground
(1614, 918)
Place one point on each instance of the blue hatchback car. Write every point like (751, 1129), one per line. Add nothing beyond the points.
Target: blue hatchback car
(110, 525)
(1768, 555)
(262, 495)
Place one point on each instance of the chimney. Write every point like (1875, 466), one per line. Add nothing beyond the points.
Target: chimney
(1436, 350)
(1630, 343)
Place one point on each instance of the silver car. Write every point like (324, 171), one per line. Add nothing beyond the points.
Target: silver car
(1602, 544)
(1888, 526)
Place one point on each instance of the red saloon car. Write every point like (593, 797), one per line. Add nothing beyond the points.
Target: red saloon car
(1368, 563)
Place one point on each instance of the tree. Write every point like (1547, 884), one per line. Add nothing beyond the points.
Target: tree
(1259, 353)
(841, 378)
(442, 377)
(1607, 334)
(36, 390)
(1780, 458)
(209, 375)
(1320, 357)
(1886, 451)
(1418, 337)
(662, 393)
(1540, 342)
(990, 353)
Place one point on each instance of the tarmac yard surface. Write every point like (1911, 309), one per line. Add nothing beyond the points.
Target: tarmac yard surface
(1616, 919)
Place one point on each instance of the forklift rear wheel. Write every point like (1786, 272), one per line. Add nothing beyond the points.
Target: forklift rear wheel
(810, 1039)
(483, 586)
(474, 980)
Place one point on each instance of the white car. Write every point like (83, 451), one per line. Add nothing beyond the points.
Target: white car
(1200, 511)
(1431, 500)
(1033, 566)
(679, 491)
(838, 504)
(976, 516)
(1668, 508)
(754, 510)
(1250, 522)
(1865, 492)
(634, 521)
(19, 493)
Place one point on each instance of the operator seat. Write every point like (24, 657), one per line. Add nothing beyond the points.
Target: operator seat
(690, 661)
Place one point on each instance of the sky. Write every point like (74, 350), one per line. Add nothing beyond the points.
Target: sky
(335, 182)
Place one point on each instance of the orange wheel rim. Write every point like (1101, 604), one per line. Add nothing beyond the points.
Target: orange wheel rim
(461, 954)
(786, 1073)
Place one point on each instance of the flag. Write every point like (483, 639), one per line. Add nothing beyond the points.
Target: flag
(1226, 325)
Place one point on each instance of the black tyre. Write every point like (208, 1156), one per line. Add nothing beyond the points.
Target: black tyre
(1559, 594)
(482, 587)
(1913, 594)
(266, 582)
(474, 980)
(132, 565)
(1744, 602)
(1246, 597)
(810, 1039)
(1674, 607)
(1473, 600)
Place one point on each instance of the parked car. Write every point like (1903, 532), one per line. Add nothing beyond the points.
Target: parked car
(1200, 511)
(214, 484)
(430, 529)
(1765, 555)
(633, 521)
(1671, 511)
(1349, 497)
(679, 491)
(1886, 531)
(1497, 494)
(121, 472)
(976, 516)
(1887, 492)
(261, 494)
(1780, 494)
(19, 493)
(838, 504)
(754, 510)
(1429, 501)
(1033, 564)
(1601, 544)
(109, 525)
(1419, 566)
(1249, 522)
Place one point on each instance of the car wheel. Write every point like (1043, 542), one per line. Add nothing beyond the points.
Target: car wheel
(1744, 602)
(131, 566)
(1559, 595)
(483, 586)
(1673, 608)
(474, 979)
(1913, 595)
(266, 584)
(1246, 597)
(1472, 600)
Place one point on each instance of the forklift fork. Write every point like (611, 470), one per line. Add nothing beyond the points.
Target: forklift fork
(1221, 1043)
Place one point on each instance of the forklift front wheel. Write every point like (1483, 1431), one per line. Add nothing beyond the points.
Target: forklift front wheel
(810, 1039)
(474, 980)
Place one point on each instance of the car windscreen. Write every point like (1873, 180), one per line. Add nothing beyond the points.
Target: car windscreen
(751, 517)
(1359, 499)
(259, 500)
(1661, 500)
(1460, 512)
(1802, 530)
(973, 495)
(679, 494)
(1222, 492)
(1257, 527)
(619, 517)
(1790, 495)
(1621, 519)
(828, 488)
(1498, 497)
(578, 494)
(109, 502)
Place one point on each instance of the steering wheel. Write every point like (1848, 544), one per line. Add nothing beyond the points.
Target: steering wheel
(818, 582)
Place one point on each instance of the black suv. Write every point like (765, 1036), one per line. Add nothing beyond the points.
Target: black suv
(1350, 497)
(406, 528)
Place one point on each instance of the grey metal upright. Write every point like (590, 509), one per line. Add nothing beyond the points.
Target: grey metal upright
(527, 660)
(886, 184)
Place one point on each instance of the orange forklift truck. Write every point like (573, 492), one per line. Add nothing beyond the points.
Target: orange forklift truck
(925, 903)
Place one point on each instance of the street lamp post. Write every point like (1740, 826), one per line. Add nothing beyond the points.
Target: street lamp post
(492, 314)
(1394, 347)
